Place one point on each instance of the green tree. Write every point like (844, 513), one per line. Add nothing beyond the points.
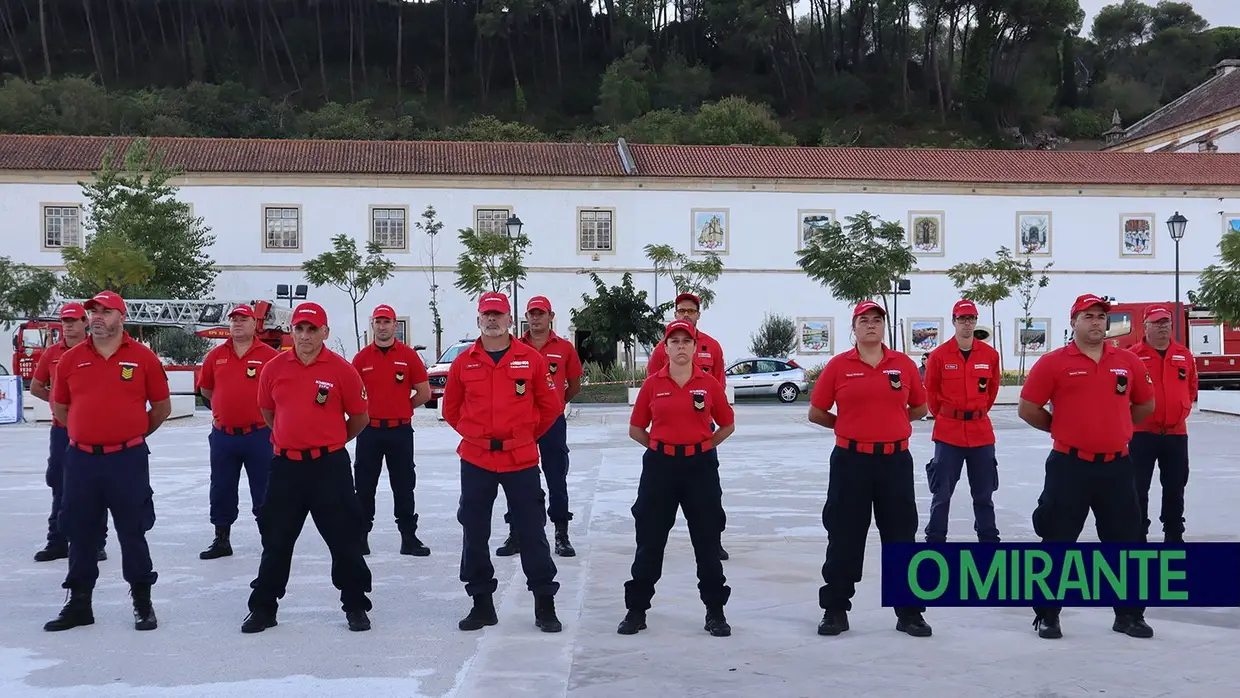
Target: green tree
(1028, 288)
(860, 264)
(776, 337)
(346, 269)
(688, 275)
(431, 225)
(617, 314)
(25, 291)
(490, 262)
(987, 282)
(1219, 284)
(623, 95)
(135, 207)
(182, 346)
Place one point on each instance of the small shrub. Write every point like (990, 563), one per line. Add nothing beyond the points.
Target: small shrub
(776, 337)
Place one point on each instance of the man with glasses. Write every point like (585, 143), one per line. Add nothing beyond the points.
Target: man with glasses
(1163, 436)
(962, 383)
(708, 357)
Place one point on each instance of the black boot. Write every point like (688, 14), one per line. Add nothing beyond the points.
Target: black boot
(220, 547)
(833, 623)
(77, 611)
(914, 624)
(716, 623)
(259, 621)
(410, 545)
(1132, 625)
(358, 620)
(544, 614)
(1048, 627)
(482, 614)
(143, 611)
(563, 548)
(633, 621)
(52, 551)
(511, 546)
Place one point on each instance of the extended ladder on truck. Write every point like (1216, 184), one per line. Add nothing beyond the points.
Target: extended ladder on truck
(186, 313)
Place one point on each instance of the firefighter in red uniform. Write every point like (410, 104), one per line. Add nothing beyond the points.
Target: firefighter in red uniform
(680, 469)
(1097, 392)
(314, 402)
(101, 390)
(501, 399)
(1163, 437)
(962, 382)
(878, 393)
(396, 384)
(72, 333)
(708, 357)
(565, 368)
(239, 437)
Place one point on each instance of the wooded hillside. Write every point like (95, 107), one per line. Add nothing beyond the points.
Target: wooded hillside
(867, 72)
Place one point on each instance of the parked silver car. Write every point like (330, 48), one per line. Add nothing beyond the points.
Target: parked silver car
(764, 376)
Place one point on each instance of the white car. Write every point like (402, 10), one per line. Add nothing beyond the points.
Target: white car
(764, 376)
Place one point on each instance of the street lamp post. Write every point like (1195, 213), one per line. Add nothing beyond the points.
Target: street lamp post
(1176, 225)
(902, 287)
(290, 292)
(514, 225)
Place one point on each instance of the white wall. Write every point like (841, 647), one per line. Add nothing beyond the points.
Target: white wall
(1227, 144)
(761, 274)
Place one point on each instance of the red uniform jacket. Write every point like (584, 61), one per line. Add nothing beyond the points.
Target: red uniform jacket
(1175, 387)
(960, 393)
(709, 356)
(509, 405)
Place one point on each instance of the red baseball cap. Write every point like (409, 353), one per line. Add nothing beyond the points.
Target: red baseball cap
(863, 306)
(689, 297)
(1155, 313)
(312, 313)
(72, 310)
(383, 310)
(242, 310)
(676, 326)
(538, 303)
(1086, 301)
(106, 299)
(964, 307)
(493, 303)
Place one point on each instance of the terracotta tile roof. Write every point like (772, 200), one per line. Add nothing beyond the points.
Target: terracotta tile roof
(1218, 94)
(926, 165)
(85, 153)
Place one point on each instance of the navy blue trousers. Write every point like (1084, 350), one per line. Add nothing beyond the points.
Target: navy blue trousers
(55, 478)
(1170, 452)
(230, 453)
(523, 489)
(94, 485)
(395, 446)
(943, 472)
(553, 455)
(321, 488)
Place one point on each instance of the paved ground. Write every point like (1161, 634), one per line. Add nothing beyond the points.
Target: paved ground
(774, 484)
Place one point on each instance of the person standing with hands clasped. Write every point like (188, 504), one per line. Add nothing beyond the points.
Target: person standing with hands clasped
(962, 383)
(73, 332)
(877, 392)
(100, 392)
(314, 402)
(501, 399)
(1163, 437)
(680, 469)
(1097, 392)
(239, 437)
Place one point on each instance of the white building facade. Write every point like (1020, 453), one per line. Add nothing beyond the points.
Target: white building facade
(1108, 238)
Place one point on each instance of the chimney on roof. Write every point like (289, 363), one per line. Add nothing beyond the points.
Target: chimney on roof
(626, 157)
(1226, 66)
(1116, 132)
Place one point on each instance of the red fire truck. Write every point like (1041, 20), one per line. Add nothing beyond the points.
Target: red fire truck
(208, 318)
(1215, 345)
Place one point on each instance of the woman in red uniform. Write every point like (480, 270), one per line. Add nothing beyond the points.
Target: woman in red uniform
(679, 469)
(877, 392)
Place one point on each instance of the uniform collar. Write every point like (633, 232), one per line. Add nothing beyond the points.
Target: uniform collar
(855, 354)
(1107, 349)
(552, 337)
(514, 346)
(1173, 346)
(125, 341)
(324, 355)
(232, 347)
(396, 344)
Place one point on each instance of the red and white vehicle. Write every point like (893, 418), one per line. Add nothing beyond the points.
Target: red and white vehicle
(208, 318)
(438, 371)
(1215, 346)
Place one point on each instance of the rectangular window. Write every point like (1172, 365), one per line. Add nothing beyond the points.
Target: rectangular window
(402, 331)
(62, 226)
(282, 227)
(388, 228)
(492, 220)
(594, 230)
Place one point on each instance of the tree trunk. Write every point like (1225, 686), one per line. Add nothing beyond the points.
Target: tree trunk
(6, 19)
(352, 38)
(318, 23)
(287, 51)
(116, 44)
(559, 66)
(447, 59)
(400, 44)
(94, 43)
(47, 56)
